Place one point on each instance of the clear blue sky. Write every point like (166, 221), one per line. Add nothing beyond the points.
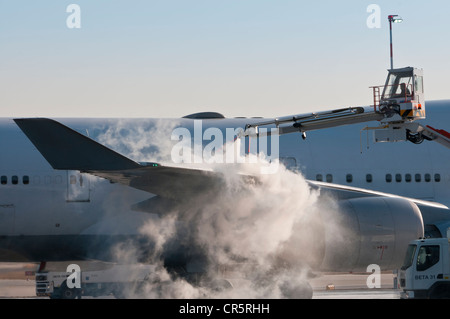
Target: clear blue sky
(170, 58)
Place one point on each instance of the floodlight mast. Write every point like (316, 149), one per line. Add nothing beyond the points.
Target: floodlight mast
(396, 19)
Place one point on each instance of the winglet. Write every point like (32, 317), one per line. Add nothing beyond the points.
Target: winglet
(65, 148)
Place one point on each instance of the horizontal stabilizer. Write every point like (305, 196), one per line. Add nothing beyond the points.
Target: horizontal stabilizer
(65, 148)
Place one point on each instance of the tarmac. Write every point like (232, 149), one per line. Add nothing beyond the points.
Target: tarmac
(17, 281)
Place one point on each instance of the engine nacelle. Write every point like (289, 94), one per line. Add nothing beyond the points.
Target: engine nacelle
(369, 230)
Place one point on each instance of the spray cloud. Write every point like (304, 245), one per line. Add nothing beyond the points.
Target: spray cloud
(257, 235)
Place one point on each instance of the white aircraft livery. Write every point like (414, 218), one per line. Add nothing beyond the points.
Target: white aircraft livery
(76, 189)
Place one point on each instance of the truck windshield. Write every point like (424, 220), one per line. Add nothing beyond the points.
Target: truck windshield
(398, 85)
(409, 257)
(428, 256)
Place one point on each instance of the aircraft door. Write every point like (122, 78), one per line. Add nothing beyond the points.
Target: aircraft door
(7, 213)
(78, 187)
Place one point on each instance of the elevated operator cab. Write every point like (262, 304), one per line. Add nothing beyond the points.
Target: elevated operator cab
(403, 95)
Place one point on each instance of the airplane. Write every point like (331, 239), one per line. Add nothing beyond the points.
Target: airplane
(64, 195)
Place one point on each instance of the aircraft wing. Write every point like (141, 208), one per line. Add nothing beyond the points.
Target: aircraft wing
(169, 182)
(347, 192)
(66, 149)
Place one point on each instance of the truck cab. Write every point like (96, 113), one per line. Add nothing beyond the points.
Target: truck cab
(426, 269)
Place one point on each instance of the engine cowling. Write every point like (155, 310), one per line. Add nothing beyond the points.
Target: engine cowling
(369, 230)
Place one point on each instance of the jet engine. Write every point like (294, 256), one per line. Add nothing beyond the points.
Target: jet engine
(351, 234)
(371, 230)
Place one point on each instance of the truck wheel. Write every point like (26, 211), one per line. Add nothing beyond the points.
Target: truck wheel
(440, 292)
(69, 293)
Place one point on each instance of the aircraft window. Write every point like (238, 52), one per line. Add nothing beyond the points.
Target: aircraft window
(398, 178)
(437, 177)
(73, 179)
(26, 180)
(427, 178)
(4, 180)
(369, 178)
(408, 178)
(329, 178)
(319, 177)
(388, 178)
(418, 178)
(15, 180)
(349, 178)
